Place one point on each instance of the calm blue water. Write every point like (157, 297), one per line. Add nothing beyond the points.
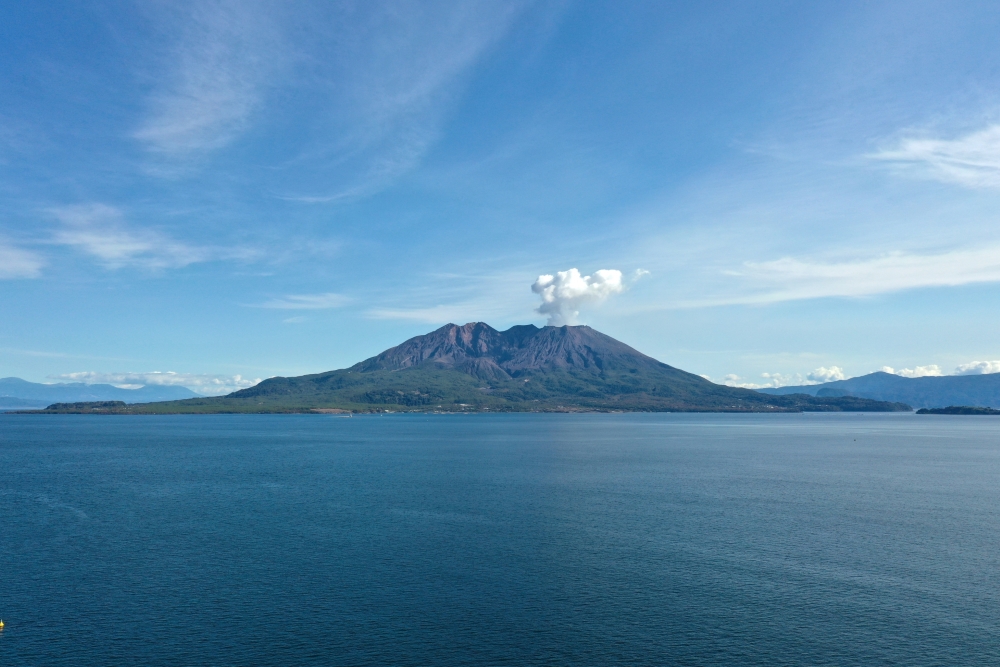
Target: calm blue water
(500, 539)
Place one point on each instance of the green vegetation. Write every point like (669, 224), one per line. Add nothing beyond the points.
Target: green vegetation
(432, 389)
(958, 410)
(101, 407)
(523, 369)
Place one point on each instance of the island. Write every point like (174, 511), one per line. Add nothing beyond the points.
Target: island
(958, 410)
(476, 368)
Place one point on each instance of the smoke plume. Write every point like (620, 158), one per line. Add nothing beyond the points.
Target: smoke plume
(564, 293)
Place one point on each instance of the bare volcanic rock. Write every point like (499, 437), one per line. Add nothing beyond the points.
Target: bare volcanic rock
(476, 367)
(481, 351)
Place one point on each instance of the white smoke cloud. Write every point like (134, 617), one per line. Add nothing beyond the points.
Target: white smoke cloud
(564, 293)
(212, 385)
(978, 368)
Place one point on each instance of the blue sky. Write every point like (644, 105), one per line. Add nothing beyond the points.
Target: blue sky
(223, 189)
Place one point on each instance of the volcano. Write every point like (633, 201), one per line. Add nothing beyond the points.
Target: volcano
(525, 368)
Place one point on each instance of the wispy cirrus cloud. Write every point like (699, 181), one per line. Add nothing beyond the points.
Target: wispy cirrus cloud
(202, 383)
(383, 76)
(20, 138)
(790, 278)
(499, 308)
(102, 232)
(17, 262)
(972, 160)
(392, 74)
(467, 294)
(307, 302)
(223, 56)
(428, 315)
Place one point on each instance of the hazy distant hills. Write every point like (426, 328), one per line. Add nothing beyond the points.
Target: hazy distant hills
(476, 367)
(925, 392)
(18, 393)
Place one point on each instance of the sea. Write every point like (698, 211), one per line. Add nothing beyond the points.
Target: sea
(504, 539)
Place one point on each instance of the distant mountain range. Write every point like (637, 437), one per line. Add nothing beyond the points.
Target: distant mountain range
(925, 392)
(525, 368)
(18, 393)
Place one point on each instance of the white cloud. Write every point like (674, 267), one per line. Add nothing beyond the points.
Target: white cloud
(491, 305)
(102, 231)
(222, 59)
(564, 293)
(207, 384)
(932, 370)
(773, 380)
(469, 292)
(768, 380)
(972, 160)
(394, 71)
(429, 315)
(823, 374)
(381, 77)
(307, 302)
(978, 368)
(790, 279)
(18, 263)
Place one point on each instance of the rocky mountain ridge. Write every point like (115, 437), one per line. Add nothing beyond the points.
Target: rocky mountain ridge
(922, 392)
(15, 392)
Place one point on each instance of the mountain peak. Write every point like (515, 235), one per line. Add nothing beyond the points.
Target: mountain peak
(525, 368)
(480, 350)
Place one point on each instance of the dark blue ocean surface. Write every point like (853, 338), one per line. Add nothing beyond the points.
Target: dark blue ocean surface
(500, 539)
